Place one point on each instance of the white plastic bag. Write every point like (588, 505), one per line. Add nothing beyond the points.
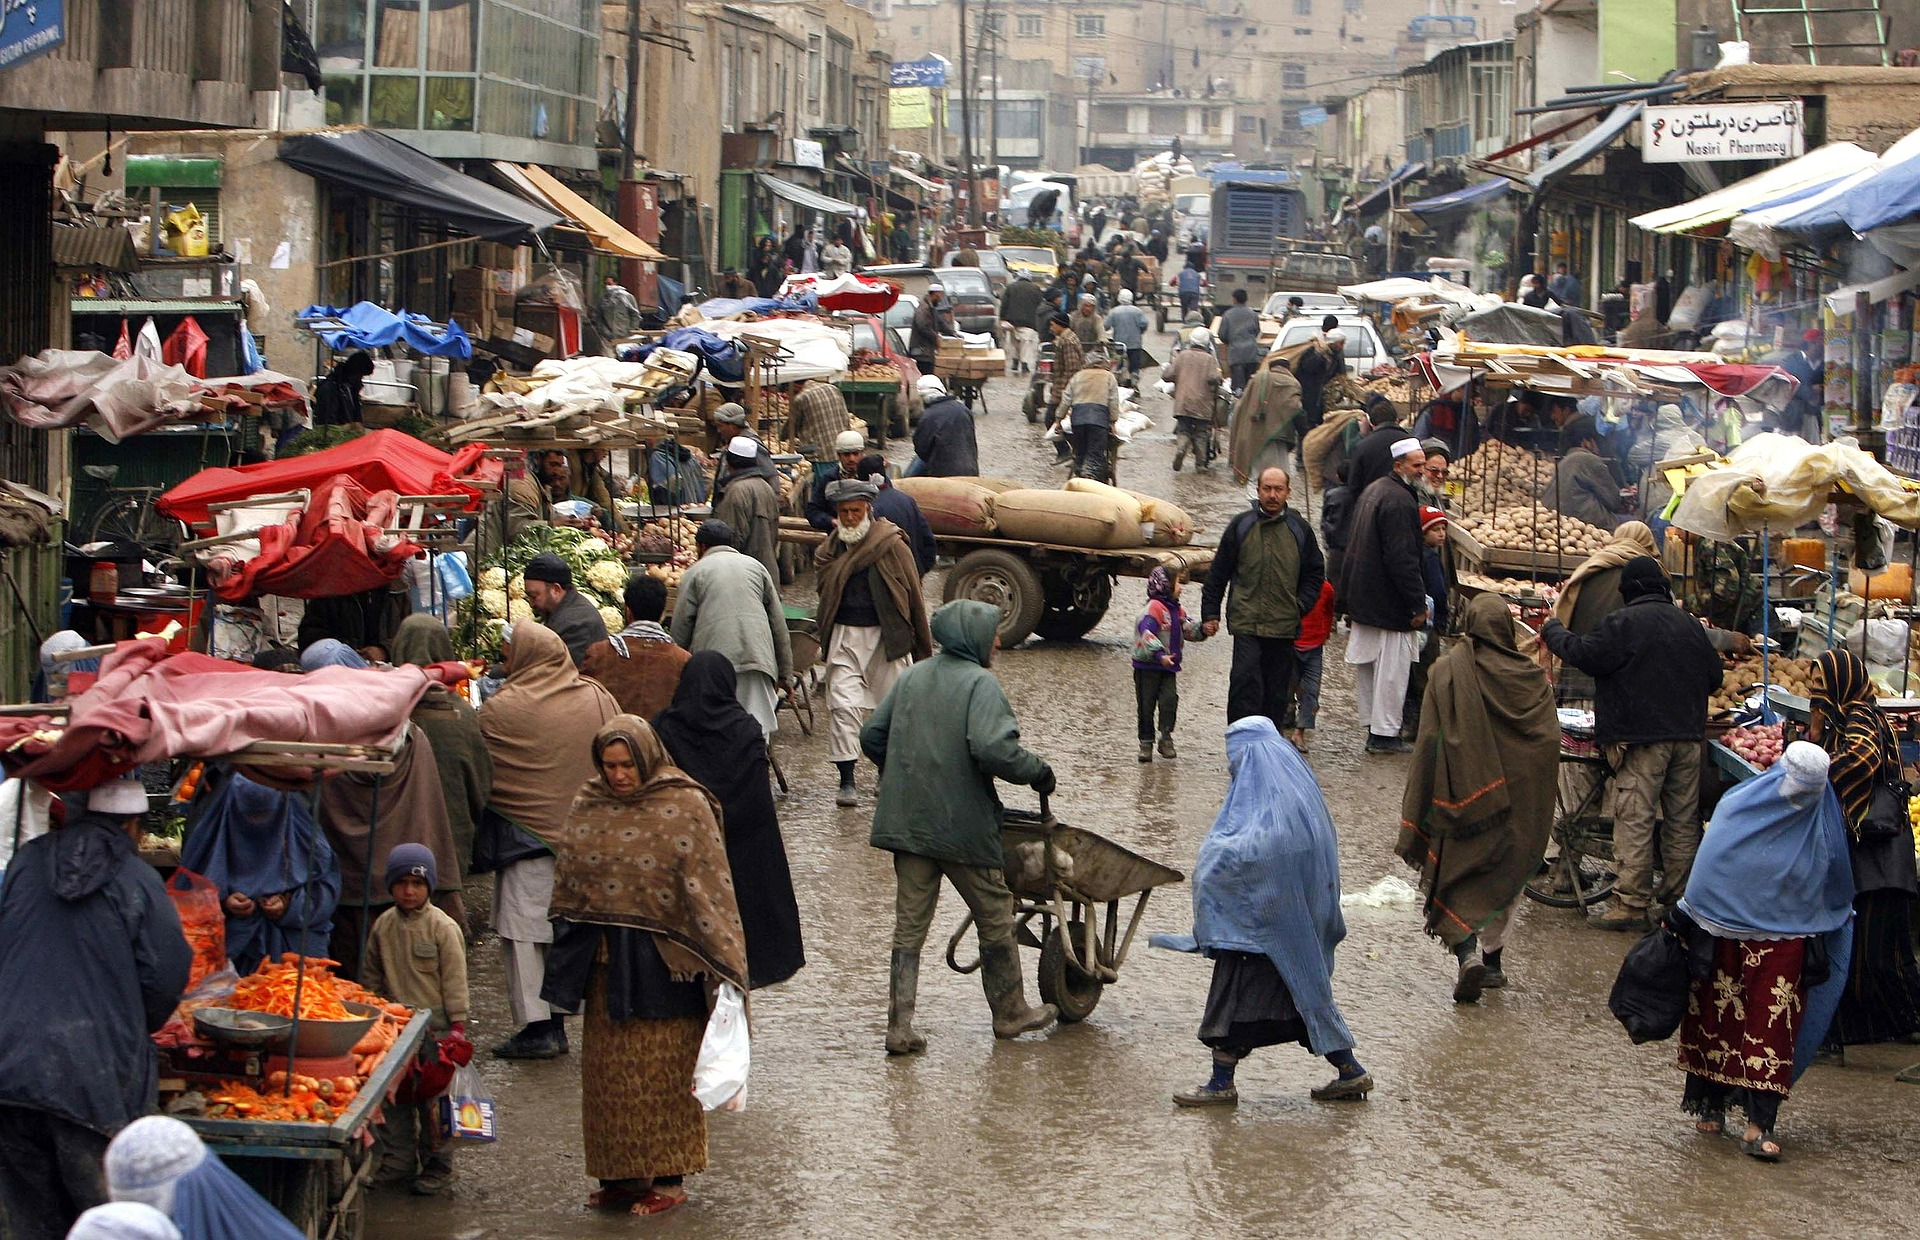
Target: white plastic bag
(466, 1109)
(720, 1074)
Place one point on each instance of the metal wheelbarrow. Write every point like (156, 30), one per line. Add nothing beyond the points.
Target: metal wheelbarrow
(1061, 875)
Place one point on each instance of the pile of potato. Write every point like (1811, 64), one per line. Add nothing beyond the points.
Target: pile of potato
(1793, 675)
(875, 372)
(1512, 587)
(1498, 475)
(1530, 529)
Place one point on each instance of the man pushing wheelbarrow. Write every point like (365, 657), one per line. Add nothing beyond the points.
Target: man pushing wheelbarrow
(941, 737)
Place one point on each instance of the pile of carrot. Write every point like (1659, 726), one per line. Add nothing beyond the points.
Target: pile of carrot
(309, 1100)
(271, 987)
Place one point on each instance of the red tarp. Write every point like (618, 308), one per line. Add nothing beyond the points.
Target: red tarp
(846, 292)
(336, 547)
(148, 705)
(383, 460)
(1733, 379)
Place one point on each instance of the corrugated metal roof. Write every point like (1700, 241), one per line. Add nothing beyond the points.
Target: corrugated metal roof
(110, 248)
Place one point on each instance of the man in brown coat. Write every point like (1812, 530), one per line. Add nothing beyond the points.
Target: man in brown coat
(640, 665)
(1266, 421)
(872, 618)
(1194, 374)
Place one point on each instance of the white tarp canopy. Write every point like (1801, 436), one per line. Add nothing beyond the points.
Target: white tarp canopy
(815, 350)
(1819, 166)
(1780, 482)
(1770, 227)
(1405, 288)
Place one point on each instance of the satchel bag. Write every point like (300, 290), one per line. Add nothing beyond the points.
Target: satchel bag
(1886, 811)
(1650, 994)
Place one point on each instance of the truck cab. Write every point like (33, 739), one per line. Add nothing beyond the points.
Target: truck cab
(1256, 241)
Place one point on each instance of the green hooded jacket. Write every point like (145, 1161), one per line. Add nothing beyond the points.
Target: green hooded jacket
(941, 738)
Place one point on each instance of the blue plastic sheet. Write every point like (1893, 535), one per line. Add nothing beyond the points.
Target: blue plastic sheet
(723, 307)
(368, 326)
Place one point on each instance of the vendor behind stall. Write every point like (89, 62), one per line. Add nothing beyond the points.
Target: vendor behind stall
(815, 416)
(92, 960)
(849, 448)
(336, 398)
(278, 880)
(550, 592)
(1582, 486)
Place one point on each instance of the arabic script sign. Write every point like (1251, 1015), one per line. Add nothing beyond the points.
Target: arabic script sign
(29, 28)
(1717, 132)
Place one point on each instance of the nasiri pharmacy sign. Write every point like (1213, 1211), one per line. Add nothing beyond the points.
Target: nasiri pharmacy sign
(1717, 132)
(28, 28)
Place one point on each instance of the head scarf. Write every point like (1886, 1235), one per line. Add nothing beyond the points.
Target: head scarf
(1643, 576)
(539, 730)
(258, 841)
(1486, 756)
(160, 1162)
(1630, 540)
(123, 1220)
(422, 641)
(1267, 880)
(328, 652)
(1160, 585)
(652, 860)
(706, 725)
(1853, 731)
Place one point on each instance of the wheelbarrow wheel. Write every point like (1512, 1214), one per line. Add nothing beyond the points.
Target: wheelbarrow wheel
(1073, 992)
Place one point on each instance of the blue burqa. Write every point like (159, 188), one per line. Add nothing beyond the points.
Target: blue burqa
(1772, 866)
(260, 842)
(1268, 877)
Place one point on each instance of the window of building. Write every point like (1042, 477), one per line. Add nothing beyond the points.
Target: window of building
(1212, 120)
(995, 24)
(1305, 32)
(1020, 118)
(1090, 26)
(915, 31)
(1249, 124)
(839, 106)
(815, 71)
(1303, 8)
(1290, 118)
(1293, 76)
(1030, 25)
(1253, 31)
(1356, 6)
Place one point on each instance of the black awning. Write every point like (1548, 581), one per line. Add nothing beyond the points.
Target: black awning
(384, 167)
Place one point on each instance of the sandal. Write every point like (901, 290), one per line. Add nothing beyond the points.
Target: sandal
(659, 1202)
(1762, 1147)
(1711, 1123)
(616, 1197)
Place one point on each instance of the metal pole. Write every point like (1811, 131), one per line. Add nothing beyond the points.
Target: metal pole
(966, 123)
(366, 886)
(1766, 629)
(627, 155)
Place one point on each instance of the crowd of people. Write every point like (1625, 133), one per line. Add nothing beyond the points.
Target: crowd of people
(619, 788)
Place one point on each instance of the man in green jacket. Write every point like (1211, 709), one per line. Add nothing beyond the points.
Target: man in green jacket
(942, 736)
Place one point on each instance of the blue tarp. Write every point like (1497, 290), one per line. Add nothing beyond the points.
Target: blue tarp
(1586, 146)
(1236, 173)
(722, 307)
(1886, 197)
(1382, 194)
(1484, 194)
(368, 326)
(719, 358)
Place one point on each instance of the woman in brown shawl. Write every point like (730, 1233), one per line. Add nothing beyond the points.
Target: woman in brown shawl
(646, 926)
(364, 817)
(459, 750)
(539, 730)
(1882, 1000)
(1480, 793)
(1593, 593)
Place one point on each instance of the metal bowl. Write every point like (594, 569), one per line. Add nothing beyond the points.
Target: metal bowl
(328, 1039)
(232, 1027)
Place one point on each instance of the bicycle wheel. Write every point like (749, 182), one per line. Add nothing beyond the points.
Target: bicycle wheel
(1578, 869)
(133, 519)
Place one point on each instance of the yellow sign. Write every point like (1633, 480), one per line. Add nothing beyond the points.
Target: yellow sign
(911, 107)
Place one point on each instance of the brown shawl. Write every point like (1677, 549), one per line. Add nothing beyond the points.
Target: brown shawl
(1265, 415)
(653, 860)
(1630, 538)
(884, 548)
(1480, 793)
(412, 808)
(539, 730)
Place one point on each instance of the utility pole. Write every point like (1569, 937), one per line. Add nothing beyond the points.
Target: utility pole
(996, 33)
(966, 125)
(633, 91)
(1086, 152)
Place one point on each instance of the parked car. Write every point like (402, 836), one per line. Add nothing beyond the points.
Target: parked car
(1364, 349)
(1039, 262)
(975, 308)
(991, 264)
(1316, 304)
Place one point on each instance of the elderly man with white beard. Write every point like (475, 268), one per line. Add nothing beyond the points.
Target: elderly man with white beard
(872, 618)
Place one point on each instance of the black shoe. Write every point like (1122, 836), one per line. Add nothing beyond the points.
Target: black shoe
(531, 1043)
(1387, 744)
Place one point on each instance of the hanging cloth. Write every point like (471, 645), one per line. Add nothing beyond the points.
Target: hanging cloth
(147, 344)
(123, 348)
(186, 348)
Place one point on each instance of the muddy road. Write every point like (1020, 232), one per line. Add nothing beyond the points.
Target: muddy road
(1527, 1115)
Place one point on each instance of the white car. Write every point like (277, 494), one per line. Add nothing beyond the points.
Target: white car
(1364, 349)
(1314, 304)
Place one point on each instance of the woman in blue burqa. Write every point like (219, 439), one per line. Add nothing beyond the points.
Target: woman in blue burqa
(277, 876)
(1266, 908)
(1772, 888)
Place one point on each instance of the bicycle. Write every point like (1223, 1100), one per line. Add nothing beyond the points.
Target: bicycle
(127, 514)
(1578, 870)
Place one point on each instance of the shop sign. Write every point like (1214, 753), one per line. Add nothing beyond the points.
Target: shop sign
(809, 154)
(29, 28)
(1721, 132)
(928, 71)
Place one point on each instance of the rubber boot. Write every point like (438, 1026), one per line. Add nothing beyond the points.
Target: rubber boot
(1007, 995)
(903, 987)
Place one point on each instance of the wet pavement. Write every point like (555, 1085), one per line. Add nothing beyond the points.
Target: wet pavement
(1529, 1114)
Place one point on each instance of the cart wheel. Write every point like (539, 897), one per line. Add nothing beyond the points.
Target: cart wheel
(1073, 609)
(1063, 984)
(989, 575)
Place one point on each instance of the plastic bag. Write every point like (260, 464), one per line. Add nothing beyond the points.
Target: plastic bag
(466, 1111)
(197, 900)
(720, 1074)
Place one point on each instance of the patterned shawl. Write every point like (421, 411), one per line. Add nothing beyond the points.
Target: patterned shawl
(653, 860)
(1852, 731)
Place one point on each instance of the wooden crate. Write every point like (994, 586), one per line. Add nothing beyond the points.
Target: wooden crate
(1542, 565)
